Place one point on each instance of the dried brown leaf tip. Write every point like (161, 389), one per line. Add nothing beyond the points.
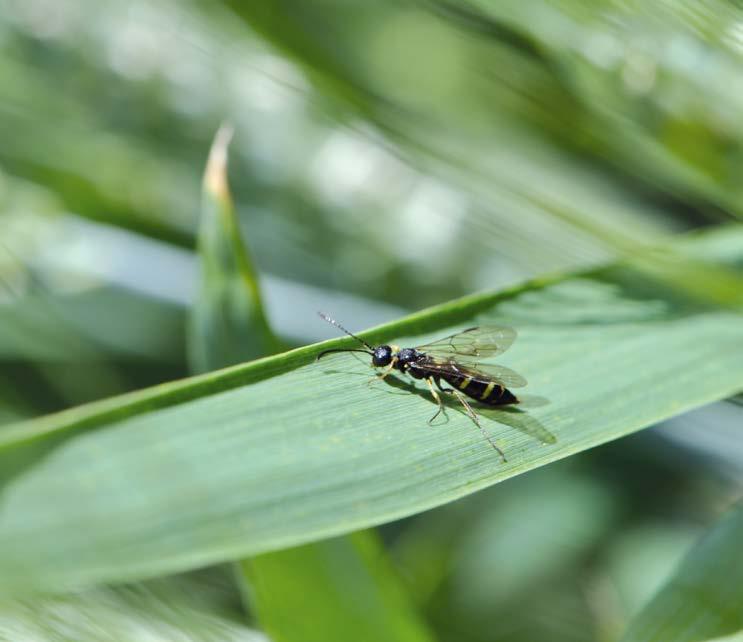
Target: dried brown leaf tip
(215, 176)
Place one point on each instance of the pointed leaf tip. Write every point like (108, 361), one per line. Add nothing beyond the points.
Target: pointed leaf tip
(215, 175)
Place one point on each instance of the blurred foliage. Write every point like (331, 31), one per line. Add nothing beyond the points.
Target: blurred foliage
(186, 608)
(702, 598)
(338, 589)
(387, 156)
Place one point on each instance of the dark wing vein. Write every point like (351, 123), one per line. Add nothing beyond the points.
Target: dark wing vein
(478, 343)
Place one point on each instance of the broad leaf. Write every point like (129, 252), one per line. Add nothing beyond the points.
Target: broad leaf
(283, 450)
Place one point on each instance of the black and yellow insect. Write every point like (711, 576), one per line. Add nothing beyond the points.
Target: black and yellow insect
(456, 360)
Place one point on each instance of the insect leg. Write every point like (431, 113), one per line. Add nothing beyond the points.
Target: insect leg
(385, 372)
(429, 381)
(474, 418)
(388, 369)
(448, 391)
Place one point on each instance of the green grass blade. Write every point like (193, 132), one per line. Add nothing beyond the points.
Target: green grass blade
(339, 589)
(284, 451)
(228, 323)
(703, 598)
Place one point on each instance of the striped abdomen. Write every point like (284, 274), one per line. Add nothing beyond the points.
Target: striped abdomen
(487, 392)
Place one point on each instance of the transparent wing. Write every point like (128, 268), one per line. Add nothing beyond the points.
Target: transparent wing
(478, 343)
(500, 374)
(485, 372)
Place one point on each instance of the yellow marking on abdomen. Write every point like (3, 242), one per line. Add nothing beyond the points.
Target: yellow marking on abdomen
(465, 383)
(487, 391)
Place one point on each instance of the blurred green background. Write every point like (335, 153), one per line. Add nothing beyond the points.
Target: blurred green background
(387, 156)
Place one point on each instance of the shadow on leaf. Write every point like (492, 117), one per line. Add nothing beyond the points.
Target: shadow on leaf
(513, 416)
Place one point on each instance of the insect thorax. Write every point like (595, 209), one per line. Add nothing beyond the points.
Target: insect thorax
(408, 355)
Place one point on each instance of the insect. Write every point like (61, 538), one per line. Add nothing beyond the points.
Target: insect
(456, 361)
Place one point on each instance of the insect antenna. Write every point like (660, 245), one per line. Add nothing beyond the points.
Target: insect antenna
(325, 317)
